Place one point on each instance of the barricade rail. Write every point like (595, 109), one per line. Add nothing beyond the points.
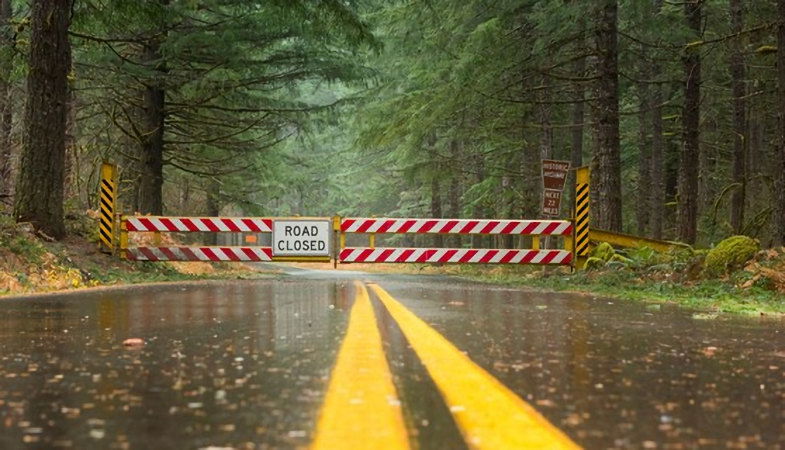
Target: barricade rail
(453, 255)
(457, 226)
(199, 224)
(534, 228)
(210, 253)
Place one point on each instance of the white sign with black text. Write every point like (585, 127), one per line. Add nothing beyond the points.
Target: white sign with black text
(301, 238)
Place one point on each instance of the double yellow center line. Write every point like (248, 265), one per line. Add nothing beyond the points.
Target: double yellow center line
(362, 410)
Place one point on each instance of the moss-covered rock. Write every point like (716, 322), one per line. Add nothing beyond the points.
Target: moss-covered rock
(730, 254)
(604, 252)
(594, 263)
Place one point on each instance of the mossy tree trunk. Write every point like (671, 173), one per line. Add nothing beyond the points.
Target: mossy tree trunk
(737, 71)
(5, 101)
(39, 190)
(607, 176)
(779, 193)
(690, 152)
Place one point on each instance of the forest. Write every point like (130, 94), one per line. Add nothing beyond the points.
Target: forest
(404, 108)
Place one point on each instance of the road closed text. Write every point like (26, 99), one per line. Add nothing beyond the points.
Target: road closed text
(301, 238)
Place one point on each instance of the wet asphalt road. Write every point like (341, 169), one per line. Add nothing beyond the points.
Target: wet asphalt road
(247, 364)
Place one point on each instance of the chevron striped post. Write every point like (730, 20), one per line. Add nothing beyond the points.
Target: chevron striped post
(582, 199)
(107, 204)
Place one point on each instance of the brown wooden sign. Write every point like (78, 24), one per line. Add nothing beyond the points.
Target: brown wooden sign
(554, 176)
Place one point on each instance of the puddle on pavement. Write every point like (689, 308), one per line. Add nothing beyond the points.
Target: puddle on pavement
(221, 366)
(614, 374)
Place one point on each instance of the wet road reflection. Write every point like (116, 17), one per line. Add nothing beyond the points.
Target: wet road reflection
(246, 365)
(618, 375)
(225, 365)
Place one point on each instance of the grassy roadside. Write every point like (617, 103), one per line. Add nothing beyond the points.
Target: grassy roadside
(32, 264)
(742, 291)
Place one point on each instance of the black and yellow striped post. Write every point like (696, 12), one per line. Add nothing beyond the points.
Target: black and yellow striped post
(581, 216)
(107, 195)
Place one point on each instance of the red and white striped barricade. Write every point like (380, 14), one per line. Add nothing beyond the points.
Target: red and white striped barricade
(535, 228)
(198, 224)
(160, 224)
(458, 226)
(453, 255)
(210, 254)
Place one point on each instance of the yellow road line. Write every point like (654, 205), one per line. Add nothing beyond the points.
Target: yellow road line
(489, 415)
(361, 408)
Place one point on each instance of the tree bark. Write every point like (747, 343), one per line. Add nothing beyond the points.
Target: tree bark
(690, 153)
(657, 197)
(644, 152)
(436, 207)
(153, 121)
(152, 145)
(213, 207)
(607, 176)
(5, 101)
(657, 194)
(479, 210)
(39, 190)
(454, 195)
(779, 229)
(576, 132)
(737, 71)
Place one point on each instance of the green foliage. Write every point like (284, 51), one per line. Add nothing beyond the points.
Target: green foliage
(594, 263)
(730, 254)
(604, 251)
(26, 248)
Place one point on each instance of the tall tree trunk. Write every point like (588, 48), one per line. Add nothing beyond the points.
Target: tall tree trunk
(153, 124)
(185, 196)
(657, 196)
(5, 101)
(644, 153)
(436, 207)
(213, 207)
(607, 176)
(454, 194)
(779, 229)
(479, 211)
(152, 145)
(577, 117)
(546, 144)
(690, 152)
(70, 172)
(737, 71)
(39, 190)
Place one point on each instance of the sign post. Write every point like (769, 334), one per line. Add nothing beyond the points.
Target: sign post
(554, 176)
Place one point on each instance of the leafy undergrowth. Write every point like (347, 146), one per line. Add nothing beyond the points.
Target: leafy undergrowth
(29, 263)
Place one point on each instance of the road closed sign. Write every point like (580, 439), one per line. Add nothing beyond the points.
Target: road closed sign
(301, 238)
